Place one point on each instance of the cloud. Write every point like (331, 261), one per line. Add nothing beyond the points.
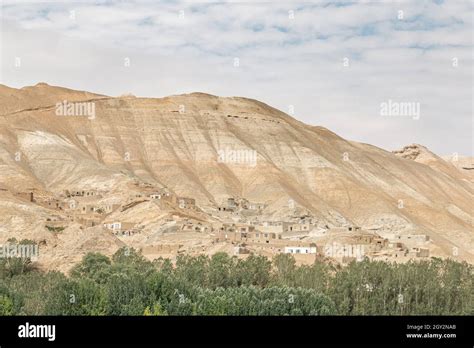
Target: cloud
(180, 47)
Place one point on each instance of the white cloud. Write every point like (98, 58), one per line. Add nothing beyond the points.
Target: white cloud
(282, 61)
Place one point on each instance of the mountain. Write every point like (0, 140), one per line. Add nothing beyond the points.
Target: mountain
(454, 166)
(211, 148)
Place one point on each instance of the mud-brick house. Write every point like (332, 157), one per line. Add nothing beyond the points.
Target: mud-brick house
(169, 197)
(380, 242)
(86, 208)
(398, 253)
(187, 227)
(364, 238)
(155, 195)
(298, 227)
(396, 245)
(72, 193)
(123, 228)
(192, 227)
(418, 239)
(92, 193)
(28, 195)
(234, 232)
(228, 236)
(423, 252)
(244, 203)
(373, 240)
(88, 221)
(242, 228)
(245, 233)
(263, 237)
(272, 226)
(55, 221)
(55, 218)
(419, 252)
(92, 209)
(108, 207)
(82, 193)
(186, 203)
(229, 205)
(116, 226)
(128, 232)
(256, 206)
(51, 203)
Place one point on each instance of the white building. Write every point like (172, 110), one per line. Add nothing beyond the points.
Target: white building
(113, 226)
(300, 250)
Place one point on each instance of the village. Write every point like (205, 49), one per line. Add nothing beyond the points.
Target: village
(236, 225)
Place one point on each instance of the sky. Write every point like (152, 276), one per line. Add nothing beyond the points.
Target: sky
(335, 64)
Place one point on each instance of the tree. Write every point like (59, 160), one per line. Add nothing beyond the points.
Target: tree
(76, 297)
(284, 265)
(94, 266)
(254, 270)
(250, 300)
(156, 310)
(128, 260)
(128, 294)
(194, 270)
(221, 268)
(6, 305)
(224, 285)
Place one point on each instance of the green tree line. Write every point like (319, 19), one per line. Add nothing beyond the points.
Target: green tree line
(129, 284)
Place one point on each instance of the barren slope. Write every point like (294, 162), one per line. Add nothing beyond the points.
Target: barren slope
(175, 141)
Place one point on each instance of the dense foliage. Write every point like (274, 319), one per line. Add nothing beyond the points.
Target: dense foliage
(128, 284)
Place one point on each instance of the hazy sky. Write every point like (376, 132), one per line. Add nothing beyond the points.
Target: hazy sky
(333, 63)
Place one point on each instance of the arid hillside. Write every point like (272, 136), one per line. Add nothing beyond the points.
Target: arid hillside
(209, 149)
